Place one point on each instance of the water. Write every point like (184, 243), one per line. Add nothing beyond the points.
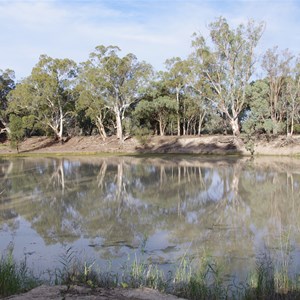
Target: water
(158, 208)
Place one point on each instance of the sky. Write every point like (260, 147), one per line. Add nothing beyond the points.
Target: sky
(153, 30)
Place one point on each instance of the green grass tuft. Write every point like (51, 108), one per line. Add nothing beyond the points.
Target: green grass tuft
(15, 277)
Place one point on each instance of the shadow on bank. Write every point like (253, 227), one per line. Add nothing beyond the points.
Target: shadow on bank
(214, 146)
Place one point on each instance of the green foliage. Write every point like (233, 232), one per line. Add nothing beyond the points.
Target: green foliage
(201, 279)
(74, 271)
(7, 84)
(160, 110)
(194, 279)
(17, 131)
(142, 134)
(228, 66)
(46, 93)
(115, 82)
(297, 128)
(143, 274)
(15, 278)
(209, 91)
(215, 124)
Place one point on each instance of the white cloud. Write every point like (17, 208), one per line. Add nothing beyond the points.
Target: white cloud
(153, 30)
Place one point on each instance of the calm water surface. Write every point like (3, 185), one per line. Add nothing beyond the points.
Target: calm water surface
(113, 209)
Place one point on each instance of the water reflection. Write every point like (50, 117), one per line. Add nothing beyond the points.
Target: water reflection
(232, 209)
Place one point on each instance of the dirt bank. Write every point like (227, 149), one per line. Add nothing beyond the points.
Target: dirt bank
(78, 292)
(217, 144)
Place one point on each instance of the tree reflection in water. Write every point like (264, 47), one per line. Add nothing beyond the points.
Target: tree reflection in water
(230, 208)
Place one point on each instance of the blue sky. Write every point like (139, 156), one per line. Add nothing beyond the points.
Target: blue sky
(154, 30)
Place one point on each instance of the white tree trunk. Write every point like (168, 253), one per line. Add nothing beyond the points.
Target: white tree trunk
(178, 116)
(234, 123)
(118, 123)
(61, 124)
(101, 128)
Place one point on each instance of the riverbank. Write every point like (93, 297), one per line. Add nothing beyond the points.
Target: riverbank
(82, 292)
(214, 145)
(194, 280)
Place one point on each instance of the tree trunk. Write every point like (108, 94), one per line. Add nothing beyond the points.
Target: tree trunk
(234, 123)
(188, 124)
(119, 123)
(185, 126)
(178, 116)
(6, 128)
(3, 130)
(61, 124)
(292, 125)
(201, 119)
(101, 128)
(161, 128)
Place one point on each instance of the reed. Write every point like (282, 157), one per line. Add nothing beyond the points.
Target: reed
(202, 278)
(15, 277)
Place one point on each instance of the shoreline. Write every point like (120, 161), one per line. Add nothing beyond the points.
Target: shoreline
(154, 145)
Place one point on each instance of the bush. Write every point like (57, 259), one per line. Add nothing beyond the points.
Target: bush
(143, 135)
(17, 131)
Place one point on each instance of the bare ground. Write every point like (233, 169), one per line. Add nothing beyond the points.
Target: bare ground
(79, 292)
(216, 144)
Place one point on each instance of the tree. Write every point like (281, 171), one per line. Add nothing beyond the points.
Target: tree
(293, 97)
(120, 80)
(160, 109)
(17, 131)
(228, 66)
(199, 92)
(7, 84)
(257, 116)
(277, 66)
(46, 93)
(90, 98)
(175, 79)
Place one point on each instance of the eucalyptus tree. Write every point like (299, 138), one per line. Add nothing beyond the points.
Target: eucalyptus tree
(277, 66)
(293, 97)
(91, 100)
(120, 82)
(7, 83)
(194, 116)
(199, 92)
(46, 94)
(257, 114)
(161, 109)
(175, 79)
(17, 131)
(228, 65)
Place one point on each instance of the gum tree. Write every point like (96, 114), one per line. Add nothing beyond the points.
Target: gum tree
(175, 79)
(120, 80)
(7, 84)
(277, 65)
(293, 97)
(91, 100)
(161, 110)
(47, 94)
(228, 65)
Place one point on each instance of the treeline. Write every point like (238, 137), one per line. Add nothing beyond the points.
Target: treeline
(214, 90)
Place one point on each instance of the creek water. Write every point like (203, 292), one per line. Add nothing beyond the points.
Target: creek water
(114, 209)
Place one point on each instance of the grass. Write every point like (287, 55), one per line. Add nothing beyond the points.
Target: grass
(15, 277)
(192, 279)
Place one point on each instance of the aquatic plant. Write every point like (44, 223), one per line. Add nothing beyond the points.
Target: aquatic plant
(15, 277)
(192, 278)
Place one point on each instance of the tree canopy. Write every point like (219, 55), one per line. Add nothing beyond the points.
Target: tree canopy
(213, 90)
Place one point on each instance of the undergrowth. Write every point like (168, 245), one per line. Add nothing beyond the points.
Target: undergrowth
(196, 279)
(15, 277)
